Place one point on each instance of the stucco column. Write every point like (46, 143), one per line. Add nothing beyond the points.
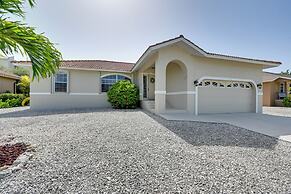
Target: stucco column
(160, 87)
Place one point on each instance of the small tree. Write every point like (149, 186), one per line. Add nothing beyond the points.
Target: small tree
(287, 72)
(20, 71)
(123, 95)
(24, 84)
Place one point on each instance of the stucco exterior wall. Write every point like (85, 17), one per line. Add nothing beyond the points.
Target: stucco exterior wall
(84, 91)
(198, 67)
(268, 89)
(6, 84)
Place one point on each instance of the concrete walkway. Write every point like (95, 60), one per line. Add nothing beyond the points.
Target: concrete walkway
(268, 123)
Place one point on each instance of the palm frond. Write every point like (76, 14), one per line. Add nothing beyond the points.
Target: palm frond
(14, 6)
(18, 37)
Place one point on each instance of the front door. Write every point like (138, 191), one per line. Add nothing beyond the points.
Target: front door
(149, 86)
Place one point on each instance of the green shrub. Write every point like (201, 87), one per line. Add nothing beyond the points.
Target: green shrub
(26, 101)
(4, 104)
(24, 85)
(123, 95)
(9, 96)
(14, 102)
(8, 100)
(287, 102)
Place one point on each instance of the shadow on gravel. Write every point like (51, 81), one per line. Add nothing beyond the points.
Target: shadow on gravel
(216, 134)
(30, 113)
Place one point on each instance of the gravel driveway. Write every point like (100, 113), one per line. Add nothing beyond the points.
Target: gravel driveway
(134, 151)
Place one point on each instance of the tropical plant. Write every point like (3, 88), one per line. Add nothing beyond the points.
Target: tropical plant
(16, 36)
(24, 84)
(123, 95)
(26, 101)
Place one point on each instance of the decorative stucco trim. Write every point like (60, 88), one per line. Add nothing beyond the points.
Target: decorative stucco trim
(183, 92)
(105, 75)
(160, 92)
(86, 94)
(39, 93)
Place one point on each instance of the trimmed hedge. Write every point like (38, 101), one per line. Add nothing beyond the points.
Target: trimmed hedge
(8, 100)
(9, 96)
(123, 95)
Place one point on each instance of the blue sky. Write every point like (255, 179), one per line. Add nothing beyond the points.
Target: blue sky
(122, 29)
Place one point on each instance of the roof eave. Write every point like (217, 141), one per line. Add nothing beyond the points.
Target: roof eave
(266, 64)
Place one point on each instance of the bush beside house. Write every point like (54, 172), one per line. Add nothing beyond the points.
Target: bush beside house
(287, 102)
(8, 100)
(123, 95)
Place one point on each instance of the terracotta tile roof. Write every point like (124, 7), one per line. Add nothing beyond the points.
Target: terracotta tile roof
(92, 65)
(9, 75)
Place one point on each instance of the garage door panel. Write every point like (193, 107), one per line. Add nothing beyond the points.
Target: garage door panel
(225, 100)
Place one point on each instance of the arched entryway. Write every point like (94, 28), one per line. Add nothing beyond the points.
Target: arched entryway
(176, 86)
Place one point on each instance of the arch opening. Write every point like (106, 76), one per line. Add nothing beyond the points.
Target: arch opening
(176, 86)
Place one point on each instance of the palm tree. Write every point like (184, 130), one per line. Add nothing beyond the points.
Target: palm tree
(17, 37)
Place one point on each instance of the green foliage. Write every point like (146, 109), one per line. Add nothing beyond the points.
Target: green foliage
(24, 84)
(287, 72)
(8, 100)
(4, 104)
(15, 102)
(287, 102)
(20, 71)
(18, 37)
(123, 95)
(14, 7)
(8, 96)
(26, 101)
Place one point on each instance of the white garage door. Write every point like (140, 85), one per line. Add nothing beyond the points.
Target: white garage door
(226, 97)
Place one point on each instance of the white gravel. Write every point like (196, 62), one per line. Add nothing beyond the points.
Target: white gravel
(136, 152)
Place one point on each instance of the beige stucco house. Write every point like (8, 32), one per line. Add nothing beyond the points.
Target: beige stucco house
(8, 82)
(173, 76)
(275, 88)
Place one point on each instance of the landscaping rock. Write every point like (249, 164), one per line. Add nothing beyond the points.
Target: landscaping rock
(107, 151)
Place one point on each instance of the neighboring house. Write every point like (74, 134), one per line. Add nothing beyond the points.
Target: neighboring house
(6, 62)
(173, 76)
(8, 82)
(276, 87)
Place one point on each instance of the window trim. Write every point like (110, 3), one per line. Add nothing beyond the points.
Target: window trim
(116, 74)
(54, 82)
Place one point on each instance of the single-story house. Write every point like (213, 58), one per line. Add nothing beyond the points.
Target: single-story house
(173, 76)
(8, 82)
(275, 88)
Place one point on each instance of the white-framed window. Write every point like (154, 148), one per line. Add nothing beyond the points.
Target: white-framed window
(61, 82)
(108, 80)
